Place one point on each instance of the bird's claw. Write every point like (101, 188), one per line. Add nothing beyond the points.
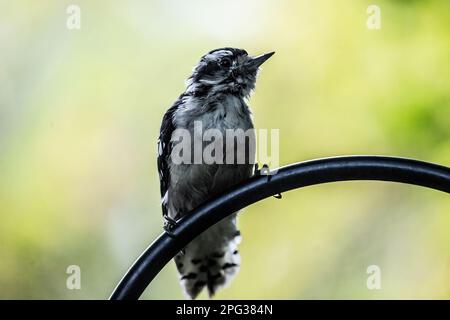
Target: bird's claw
(169, 225)
(265, 171)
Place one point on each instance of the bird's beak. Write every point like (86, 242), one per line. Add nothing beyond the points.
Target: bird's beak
(255, 62)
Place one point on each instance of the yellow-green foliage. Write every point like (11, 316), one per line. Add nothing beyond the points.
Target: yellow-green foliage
(80, 112)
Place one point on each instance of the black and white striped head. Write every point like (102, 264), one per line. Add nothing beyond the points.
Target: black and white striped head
(226, 70)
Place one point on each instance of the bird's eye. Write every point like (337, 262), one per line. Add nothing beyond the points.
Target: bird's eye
(225, 63)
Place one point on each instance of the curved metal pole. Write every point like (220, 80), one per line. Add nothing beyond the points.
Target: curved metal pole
(298, 175)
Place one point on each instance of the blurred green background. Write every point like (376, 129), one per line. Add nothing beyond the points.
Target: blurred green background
(80, 112)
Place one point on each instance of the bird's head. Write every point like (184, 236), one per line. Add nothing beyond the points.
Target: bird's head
(226, 70)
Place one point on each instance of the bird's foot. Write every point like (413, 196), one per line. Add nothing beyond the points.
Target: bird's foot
(265, 171)
(169, 225)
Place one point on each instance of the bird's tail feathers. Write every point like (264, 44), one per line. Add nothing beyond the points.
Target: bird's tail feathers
(213, 270)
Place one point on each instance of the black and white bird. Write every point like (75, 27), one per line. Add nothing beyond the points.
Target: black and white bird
(215, 96)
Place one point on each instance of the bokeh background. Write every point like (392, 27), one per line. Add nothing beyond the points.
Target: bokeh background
(80, 112)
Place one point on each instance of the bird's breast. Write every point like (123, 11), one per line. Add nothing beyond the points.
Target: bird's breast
(192, 183)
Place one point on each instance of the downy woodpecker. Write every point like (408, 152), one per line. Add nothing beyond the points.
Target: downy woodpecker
(215, 97)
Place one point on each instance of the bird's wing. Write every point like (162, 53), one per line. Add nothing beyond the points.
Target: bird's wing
(164, 152)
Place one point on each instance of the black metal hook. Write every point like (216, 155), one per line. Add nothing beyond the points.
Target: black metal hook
(298, 175)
